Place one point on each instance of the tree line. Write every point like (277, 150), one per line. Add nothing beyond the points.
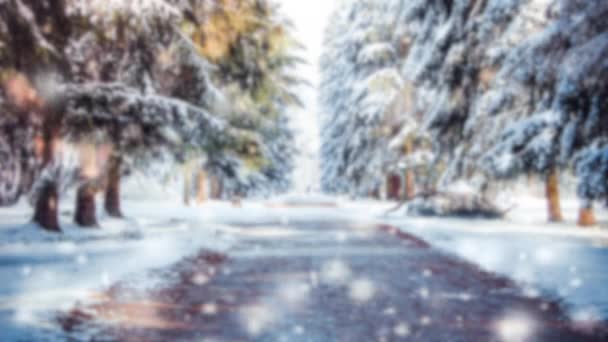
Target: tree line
(207, 84)
(437, 91)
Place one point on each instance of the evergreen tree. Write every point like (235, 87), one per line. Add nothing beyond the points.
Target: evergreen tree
(360, 83)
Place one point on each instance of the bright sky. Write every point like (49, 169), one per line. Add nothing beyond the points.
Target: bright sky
(310, 18)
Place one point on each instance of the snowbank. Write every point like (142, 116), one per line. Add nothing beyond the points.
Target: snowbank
(557, 259)
(45, 272)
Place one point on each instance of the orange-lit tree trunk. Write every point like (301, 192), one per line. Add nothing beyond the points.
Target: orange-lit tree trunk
(45, 213)
(410, 180)
(47, 204)
(112, 195)
(586, 216)
(85, 215)
(201, 188)
(552, 194)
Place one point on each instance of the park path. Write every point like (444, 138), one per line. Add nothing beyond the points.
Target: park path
(322, 281)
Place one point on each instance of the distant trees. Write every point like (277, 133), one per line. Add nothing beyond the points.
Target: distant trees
(255, 58)
(501, 89)
(360, 82)
(148, 78)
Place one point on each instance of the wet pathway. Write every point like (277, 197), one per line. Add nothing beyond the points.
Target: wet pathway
(330, 281)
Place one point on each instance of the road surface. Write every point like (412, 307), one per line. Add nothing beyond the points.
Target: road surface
(322, 281)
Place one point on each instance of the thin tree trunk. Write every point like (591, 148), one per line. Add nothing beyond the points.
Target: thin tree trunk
(586, 216)
(46, 213)
(201, 187)
(112, 195)
(410, 178)
(375, 193)
(85, 215)
(186, 185)
(216, 188)
(552, 194)
(394, 187)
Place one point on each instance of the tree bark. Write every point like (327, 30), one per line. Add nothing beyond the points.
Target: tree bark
(85, 215)
(216, 188)
(552, 194)
(375, 193)
(586, 216)
(394, 187)
(410, 178)
(410, 191)
(186, 186)
(201, 190)
(46, 212)
(112, 195)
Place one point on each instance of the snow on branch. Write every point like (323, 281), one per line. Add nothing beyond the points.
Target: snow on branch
(117, 102)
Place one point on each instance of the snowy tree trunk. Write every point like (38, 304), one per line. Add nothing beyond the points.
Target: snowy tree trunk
(112, 195)
(394, 187)
(201, 190)
(552, 194)
(586, 216)
(187, 185)
(375, 193)
(85, 215)
(216, 188)
(410, 179)
(46, 210)
(45, 214)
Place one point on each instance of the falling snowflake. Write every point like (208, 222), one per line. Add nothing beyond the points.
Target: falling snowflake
(26, 271)
(257, 318)
(390, 311)
(82, 260)
(362, 290)
(209, 309)
(424, 293)
(545, 256)
(402, 330)
(335, 272)
(200, 279)
(576, 283)
(515, 327)
(298, 330)
(294, 294)
(105, 279)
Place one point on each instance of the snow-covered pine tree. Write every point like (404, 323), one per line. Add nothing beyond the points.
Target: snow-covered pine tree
(34, 35)
(18, 155)
(255, 71)
(563, 69)
(360, 83)
(116, 76)
(449, 51)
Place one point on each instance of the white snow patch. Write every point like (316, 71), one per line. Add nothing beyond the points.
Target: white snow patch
(554, 259)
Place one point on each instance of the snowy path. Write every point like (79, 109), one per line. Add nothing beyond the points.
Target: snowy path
(323, 281)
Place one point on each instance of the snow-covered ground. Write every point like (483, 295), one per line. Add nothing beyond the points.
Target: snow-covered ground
(556, 259)
(44, 272)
